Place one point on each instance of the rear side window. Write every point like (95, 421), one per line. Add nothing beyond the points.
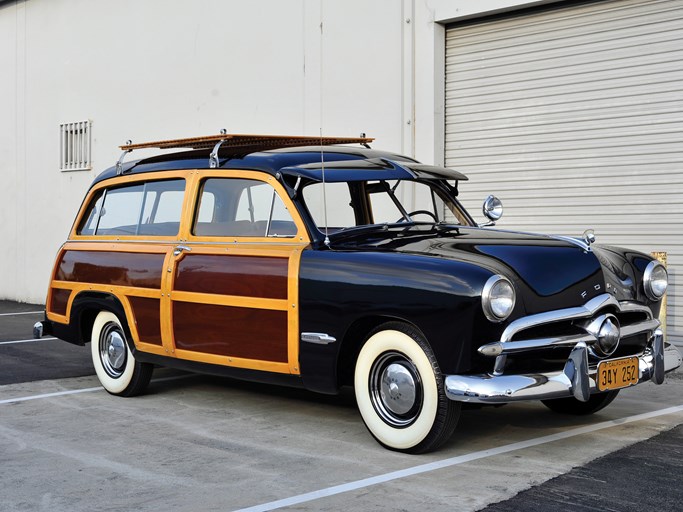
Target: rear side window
(240, 207)
(153, 209)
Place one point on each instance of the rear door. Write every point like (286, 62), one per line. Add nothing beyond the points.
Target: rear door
(233, 278)
(119, 247)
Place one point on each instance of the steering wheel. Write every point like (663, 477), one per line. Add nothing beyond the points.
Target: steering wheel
(421, 212)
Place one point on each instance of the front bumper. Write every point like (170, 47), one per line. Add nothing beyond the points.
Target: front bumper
(577, 379)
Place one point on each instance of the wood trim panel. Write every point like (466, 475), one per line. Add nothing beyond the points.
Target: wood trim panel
(59, 300)
(238, 308)
(230, 300)
(140, 270)
(147, 318)
(246, 276)
(293, 337)
(230, 331)
(237, 362)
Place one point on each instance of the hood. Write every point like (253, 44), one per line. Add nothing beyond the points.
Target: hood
(548, 272)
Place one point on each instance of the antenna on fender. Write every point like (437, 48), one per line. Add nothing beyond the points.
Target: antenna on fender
(322, 152)
(322, 167)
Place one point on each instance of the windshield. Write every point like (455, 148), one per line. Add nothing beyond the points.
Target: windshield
(361, 203)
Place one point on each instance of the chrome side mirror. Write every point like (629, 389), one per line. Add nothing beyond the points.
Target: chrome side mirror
(492, 209)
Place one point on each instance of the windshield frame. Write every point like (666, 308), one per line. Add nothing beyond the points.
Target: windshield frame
(360, 191)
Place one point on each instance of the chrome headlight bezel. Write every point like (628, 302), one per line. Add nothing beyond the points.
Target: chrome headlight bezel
(497, 312)
(651, 275)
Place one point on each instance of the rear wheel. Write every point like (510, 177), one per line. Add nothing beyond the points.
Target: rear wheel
(119, 373)
(595, 403)
(400, 392)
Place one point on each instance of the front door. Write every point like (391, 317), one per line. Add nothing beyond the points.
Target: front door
(234, 275)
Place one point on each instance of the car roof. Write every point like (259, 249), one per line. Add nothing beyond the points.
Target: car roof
(344, 162)
(379, 168)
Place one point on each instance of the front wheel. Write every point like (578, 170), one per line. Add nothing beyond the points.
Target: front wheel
(571, 405)
(400, 392)
(119, 373)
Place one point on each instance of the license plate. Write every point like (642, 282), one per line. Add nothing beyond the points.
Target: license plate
(617, 373)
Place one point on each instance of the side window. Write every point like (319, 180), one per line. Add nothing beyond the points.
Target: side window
(93, 216)
(241, 207)
(207, 207)
(162, 208)
(152, 209)
(120, 211)
(254, 202)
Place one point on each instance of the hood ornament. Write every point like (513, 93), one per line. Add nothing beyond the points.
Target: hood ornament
(589, 237)
(584, 242)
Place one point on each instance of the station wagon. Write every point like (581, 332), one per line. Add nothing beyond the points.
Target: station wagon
(298, 261)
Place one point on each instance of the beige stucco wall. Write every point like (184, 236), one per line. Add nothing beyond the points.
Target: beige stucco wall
(156, 69)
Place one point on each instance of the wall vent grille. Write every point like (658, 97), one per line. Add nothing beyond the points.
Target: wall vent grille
(75, 146)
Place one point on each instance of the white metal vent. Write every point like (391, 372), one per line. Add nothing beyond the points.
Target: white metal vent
(74, 146)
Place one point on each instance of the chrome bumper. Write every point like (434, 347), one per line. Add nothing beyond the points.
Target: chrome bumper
(576, 379)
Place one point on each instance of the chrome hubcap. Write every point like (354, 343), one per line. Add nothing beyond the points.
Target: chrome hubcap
(395, 389)
(113, 352)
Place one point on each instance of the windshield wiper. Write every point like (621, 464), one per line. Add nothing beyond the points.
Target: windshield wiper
(354, 230)
(444, 226)
(360, 229)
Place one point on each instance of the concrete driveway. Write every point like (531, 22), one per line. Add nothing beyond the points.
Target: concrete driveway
(199, 443)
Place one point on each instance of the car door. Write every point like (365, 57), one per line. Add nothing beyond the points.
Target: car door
(118, 248)
(234, 275)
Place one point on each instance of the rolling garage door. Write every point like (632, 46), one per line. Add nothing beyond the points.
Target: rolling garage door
(573, 116)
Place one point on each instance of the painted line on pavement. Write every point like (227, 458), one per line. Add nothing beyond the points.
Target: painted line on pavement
(77, 391)
(12, 342)
(50, 395)
(453, 461)
(23, 313)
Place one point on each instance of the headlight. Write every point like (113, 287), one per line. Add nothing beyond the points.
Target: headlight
(498, 298)
(655, 280)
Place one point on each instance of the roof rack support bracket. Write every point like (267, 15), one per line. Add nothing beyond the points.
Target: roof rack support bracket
(213, 157)
(119, 163)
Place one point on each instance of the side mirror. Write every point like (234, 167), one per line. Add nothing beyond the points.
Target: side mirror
(492, 209)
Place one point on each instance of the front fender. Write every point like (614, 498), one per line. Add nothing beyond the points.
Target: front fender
(338, 290)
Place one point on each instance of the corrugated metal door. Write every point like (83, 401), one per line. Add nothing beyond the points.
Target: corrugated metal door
(573, 116)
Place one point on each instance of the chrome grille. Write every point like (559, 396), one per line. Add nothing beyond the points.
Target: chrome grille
(565, 328)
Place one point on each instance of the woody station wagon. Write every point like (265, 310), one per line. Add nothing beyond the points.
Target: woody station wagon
(295, 261)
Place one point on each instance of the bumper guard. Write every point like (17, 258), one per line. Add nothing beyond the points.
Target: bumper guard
(577, 379)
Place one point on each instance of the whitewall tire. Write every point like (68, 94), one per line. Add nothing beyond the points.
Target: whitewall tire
(118, 371)
(399, 391)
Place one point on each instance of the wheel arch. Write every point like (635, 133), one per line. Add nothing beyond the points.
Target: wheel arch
(354, 339)
(87, 305)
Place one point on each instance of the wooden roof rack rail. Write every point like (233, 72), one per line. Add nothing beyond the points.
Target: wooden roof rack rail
(242, 142)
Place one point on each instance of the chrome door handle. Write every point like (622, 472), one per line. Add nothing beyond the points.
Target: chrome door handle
(180, 249)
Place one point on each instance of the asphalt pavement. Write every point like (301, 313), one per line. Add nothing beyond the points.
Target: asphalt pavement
(628, 480)
(23, 359)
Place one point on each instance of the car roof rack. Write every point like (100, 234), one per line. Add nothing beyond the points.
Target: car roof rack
(243, 142)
